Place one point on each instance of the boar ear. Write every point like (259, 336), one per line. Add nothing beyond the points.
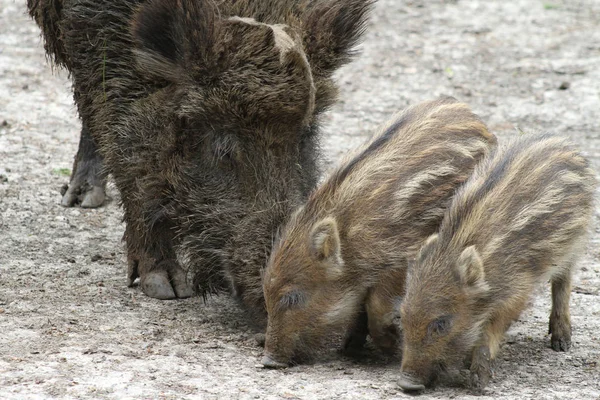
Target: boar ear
(325, 241)
(470, 268)
(332, 28)
(168, 33)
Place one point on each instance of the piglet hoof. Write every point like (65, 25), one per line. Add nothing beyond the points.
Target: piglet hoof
(478, 380)
(354, 344)
(410, 384)
(561, 334)
(356, 337)
(560, 343)
(269, 362)
(481, 370)
(156, 284)
(388, 340)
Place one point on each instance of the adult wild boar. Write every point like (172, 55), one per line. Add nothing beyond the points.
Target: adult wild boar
(207, 115)
(347, 247)
(520, 218)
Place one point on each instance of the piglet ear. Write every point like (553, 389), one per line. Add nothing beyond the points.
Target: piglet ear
(325, 242)
(470, 269)
(172, 35)
(427, 246)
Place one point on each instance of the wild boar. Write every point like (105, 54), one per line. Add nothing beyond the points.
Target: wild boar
(207, 115)
(371, 214)
(520, 218)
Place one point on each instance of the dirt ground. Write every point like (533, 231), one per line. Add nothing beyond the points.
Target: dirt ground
(70, 328)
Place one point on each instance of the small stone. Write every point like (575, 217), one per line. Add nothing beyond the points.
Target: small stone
(564, 85)
(96, 257)
(260, 339)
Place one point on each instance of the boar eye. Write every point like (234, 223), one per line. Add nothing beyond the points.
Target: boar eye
(292, 299)
(440, 326)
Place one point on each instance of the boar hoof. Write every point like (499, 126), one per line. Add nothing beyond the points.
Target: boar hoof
(180, 283)
(93, 198)
(268, 362)
(166, 284)
(410, 384)
(156, 284)
(83, 194)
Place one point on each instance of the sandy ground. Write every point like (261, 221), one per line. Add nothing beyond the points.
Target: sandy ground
(69, 327)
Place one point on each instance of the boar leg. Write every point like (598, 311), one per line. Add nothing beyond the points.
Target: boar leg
(560, 319)
(161, 276)
(88, 179)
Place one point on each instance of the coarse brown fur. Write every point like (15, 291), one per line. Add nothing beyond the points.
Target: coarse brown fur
(363, 222)
(520, 218)
(207, 115)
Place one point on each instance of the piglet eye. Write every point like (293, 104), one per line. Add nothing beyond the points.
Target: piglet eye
(293, 299)
(440, 326)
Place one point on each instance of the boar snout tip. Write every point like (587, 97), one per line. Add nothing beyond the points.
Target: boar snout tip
(410, 384)
(269, 362)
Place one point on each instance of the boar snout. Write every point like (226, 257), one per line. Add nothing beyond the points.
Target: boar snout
(409, 383)
(269, 362)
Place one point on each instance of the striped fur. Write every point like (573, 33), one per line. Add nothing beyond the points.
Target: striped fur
(522, 217)
(363, 222)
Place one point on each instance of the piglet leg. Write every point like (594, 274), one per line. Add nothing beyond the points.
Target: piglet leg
(560, 319)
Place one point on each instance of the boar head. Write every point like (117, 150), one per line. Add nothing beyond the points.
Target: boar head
(236, 118)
